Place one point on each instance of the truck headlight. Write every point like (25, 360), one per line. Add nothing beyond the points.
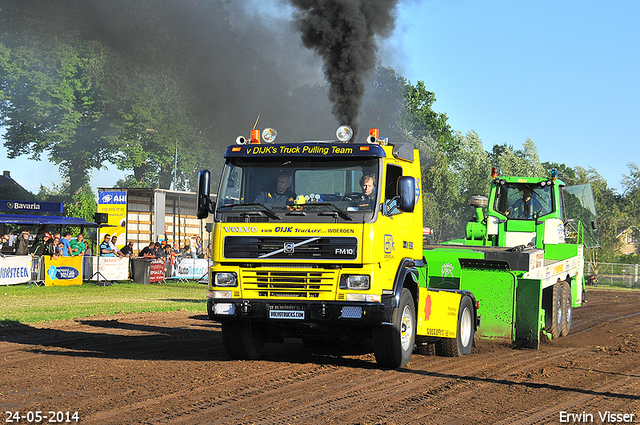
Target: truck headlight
(225, 279)
(355, 281)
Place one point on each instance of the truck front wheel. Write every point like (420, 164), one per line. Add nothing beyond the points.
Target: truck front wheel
(393, 345)
(243, 340)
(460, 345)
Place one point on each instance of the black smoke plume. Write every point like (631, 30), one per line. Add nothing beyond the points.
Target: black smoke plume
(343, 33)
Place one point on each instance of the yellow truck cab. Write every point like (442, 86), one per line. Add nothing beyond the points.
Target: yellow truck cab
(323, 240)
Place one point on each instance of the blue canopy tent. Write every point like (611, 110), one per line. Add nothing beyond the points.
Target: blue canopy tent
(45, 219)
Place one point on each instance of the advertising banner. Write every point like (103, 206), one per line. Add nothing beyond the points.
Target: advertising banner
(15, 269)
(62, 271)
(157, 270)
(189, 268)
(110, 268)
(115, 204)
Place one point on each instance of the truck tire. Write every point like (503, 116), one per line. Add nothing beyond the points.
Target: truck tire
(460, 345)
(426, 349)
(566, 308)
(243, 340)
(210, 314)
(393, 345)
(553, 311)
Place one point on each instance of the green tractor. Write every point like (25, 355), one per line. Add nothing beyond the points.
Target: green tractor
(522, 257)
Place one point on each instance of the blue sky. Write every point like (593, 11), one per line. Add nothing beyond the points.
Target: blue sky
(564, 74)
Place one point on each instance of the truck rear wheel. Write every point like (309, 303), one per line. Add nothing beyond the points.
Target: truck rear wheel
(393, 345)
(566, 308)
(460, 345)
(243, 340)
(553, 311)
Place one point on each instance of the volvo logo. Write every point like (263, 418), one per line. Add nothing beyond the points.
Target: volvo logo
(235, 229)
(289, 247)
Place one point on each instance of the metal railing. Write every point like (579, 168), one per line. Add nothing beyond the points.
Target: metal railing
(614, 274)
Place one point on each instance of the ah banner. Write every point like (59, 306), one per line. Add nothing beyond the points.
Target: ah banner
(62, 271)
(111, 268)
(15, 269)
(189, 268)
(113, 203)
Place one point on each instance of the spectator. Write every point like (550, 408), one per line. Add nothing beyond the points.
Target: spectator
(3, 241)
(175, 251)
(199, 252)
(127, 250)
(66, 245)
(105, 250)
(148, 251)
(160, 250)
(114, 247)
(22, 246)
(77, 245)
(43, 246)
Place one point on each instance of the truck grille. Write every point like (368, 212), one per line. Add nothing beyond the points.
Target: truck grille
(308, 284)
(291, 248)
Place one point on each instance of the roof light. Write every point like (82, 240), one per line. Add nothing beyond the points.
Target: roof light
(240, 140)
(255, 137)
(554, 173)
(269, 135)
(373, 135)
(494, 172)
(344, 133)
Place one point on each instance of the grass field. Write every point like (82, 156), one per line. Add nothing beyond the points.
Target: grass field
(31, 304)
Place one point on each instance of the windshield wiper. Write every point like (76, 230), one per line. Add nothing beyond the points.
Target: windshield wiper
(268, 211)
(342, 213)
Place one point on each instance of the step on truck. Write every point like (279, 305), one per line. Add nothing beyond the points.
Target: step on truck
(522, 257)
(323, 241)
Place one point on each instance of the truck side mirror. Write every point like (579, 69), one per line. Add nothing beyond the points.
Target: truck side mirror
(407, 192)
(202, 197)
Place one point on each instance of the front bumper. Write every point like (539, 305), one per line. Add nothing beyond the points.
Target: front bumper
(283, 312)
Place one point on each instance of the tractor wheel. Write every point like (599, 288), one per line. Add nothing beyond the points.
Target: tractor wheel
(460, 345)
(566, 308)
(243, 340)
(553, 311)
(393, 345)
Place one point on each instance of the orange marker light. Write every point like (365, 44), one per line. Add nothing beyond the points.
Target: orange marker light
(255, 137)
(494, 172)
(374, 132)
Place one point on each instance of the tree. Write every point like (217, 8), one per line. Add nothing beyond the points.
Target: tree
(52, 102)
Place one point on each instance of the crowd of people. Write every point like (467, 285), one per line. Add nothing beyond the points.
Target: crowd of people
(46, 243)
(161, 249)
(56, 244)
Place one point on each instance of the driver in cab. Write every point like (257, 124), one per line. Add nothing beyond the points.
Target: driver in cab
(280, 194)
(368, 184)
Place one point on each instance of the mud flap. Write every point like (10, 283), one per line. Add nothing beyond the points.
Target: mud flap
(528, 308)
(438, 313)
(495, 290)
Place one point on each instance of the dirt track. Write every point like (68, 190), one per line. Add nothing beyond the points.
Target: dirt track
(171, 368)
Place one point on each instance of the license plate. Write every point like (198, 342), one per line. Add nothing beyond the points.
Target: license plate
(286, 314)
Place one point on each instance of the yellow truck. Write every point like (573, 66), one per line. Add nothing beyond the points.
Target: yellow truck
(323, 240)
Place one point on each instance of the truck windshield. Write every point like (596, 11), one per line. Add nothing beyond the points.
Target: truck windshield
(332, 186)
(523, 201)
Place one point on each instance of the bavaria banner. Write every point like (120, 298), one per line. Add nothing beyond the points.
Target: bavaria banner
(62, 271)
(15, 269)
(111, 268)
